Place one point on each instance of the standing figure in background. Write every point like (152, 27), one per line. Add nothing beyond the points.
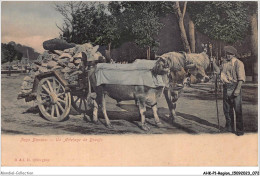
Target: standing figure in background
(232, 74)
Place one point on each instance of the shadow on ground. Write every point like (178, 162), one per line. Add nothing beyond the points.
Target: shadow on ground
(130, 115)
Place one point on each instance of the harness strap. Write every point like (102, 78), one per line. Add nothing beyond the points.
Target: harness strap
(154, 105)
(185, 58)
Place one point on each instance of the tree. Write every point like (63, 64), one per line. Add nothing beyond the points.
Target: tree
(25, 50)
(141, 19)
(89, 22)
(227, 22)
(192, 36)
(252, 6)
(9, 54)
(180, 18)
(254, 45)
(113, 28)
(68, 11)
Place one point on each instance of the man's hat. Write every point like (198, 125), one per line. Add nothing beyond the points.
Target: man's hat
(230, 49)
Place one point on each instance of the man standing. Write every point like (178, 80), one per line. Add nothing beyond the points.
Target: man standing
(232, 74)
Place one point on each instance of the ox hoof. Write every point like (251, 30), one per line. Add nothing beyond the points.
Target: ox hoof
(96, 122)
(109, 126)
(159, 124)
(172, 119)
(145, 127)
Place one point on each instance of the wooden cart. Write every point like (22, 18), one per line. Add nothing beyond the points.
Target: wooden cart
(55, 96)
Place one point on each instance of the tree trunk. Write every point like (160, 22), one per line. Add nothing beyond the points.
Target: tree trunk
(192, 36)
(254, 42)
(109, 49)
(108, 52)
(220, 50)
(148, 53)
(180, 18)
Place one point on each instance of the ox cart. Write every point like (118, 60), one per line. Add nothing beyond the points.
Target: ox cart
(55, 96)
(59, 80)
(142, 81)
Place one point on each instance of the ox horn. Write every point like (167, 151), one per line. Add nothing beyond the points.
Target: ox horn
(190, 66)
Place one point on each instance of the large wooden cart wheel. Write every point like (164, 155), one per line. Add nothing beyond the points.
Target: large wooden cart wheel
(80, 100)
(53, 102)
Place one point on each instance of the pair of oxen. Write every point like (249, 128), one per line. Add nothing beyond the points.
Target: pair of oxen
(173, 66)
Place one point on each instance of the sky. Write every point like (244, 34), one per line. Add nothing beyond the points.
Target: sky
(29, 23)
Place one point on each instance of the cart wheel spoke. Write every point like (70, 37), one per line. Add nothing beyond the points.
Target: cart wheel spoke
(85, 105)
(49, 84)
(57, 110)
(58, 88)
(52, 111)
(61, 94)
(44, 95)
(76, 100)
(58, 103)
(60, 100)
(80, 103)
(46, 89)
(54, 103)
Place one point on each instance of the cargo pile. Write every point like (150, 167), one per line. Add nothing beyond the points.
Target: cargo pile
(68, 61)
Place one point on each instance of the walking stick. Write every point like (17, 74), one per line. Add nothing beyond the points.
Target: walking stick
(216, 84)
(216, 96)
(235, 120)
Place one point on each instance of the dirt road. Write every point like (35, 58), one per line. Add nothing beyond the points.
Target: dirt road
(196, 110)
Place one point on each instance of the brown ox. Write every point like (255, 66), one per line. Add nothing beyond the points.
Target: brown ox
(180, 64)
(143, 95)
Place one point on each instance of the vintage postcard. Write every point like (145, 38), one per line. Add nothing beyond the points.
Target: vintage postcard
(123, 83)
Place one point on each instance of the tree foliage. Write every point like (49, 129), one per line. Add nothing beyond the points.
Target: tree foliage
(116, 23)
(25, 50)
(88, 22)
(139, 21)
(143, 22)
(226, 21)
(68, 11)
(9, 54)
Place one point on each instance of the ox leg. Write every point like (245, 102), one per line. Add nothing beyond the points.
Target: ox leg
(171, 104)
(104, 110)
(142, 109)
(95, 112)
(156, 117)
(101, 102)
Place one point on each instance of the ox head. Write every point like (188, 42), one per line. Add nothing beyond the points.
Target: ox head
(161, 66)
(198, 63)
(179, 78)
(197, 72)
